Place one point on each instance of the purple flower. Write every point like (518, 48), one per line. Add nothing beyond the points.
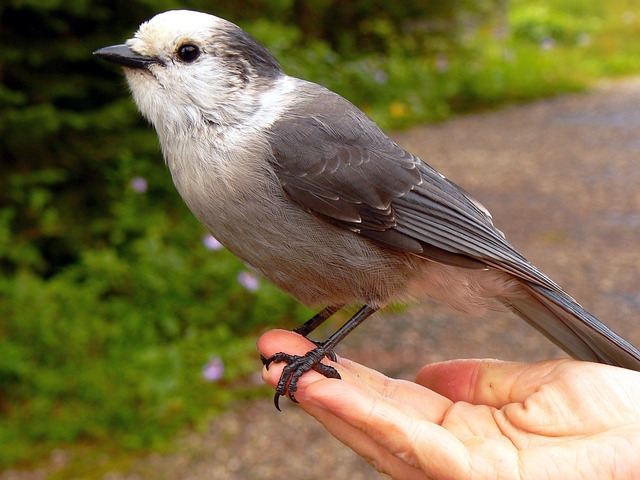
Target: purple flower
(442, 64)
(213, 370)
(210, 243)
(584, 40)
(380, 77)
(139, 184)
(547, 43)
(248, 281)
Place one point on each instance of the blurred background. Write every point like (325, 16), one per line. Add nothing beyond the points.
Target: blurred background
(122, 321)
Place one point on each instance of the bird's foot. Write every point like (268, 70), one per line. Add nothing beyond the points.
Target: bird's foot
(297, 366)
(330, 354)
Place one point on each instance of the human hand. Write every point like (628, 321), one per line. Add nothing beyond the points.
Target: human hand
(476, 419)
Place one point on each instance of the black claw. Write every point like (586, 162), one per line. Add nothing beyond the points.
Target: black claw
(299, 365)
(277, 358)
(296, 367)
(327, 371)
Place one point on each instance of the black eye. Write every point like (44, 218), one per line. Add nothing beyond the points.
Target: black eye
(188, 52)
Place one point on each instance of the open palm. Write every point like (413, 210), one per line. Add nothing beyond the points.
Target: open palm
(476, 419)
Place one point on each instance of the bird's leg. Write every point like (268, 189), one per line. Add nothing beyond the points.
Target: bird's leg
(310, 325)
(297, 365)
(314, 322)
(318, 319)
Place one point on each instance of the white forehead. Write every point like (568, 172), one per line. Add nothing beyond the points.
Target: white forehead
(164, 31)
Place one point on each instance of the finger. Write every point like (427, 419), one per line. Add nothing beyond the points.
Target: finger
(421, 446)
(279, 340)
(486, 382)
(412, 399)
(275, 341)
(365, 446)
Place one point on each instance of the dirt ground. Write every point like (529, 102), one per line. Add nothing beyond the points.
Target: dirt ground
(562, 180)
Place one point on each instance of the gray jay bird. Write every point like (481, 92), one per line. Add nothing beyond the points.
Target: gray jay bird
(306, 189)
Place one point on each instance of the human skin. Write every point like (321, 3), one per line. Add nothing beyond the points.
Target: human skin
(477, 419)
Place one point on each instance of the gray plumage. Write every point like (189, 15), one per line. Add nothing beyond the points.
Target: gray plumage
(310, 193)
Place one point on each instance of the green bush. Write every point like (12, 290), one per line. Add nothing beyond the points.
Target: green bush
(112, 346)
(536, 22)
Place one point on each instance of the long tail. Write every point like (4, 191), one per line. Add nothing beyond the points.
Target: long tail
(561, 319)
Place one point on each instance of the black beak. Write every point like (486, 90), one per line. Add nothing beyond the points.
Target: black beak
(122, 55)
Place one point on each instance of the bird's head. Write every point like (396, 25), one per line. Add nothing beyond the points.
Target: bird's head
(187, 68)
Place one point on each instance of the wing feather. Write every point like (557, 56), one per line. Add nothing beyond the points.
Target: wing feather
(336, 163)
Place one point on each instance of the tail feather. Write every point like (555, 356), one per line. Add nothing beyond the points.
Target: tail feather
(561, 319)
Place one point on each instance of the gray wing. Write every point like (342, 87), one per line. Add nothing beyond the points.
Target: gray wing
(336, 163)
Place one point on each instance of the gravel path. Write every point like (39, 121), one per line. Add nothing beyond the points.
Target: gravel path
(562, 179)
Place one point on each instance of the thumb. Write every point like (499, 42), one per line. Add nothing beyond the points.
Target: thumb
(485, 382)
